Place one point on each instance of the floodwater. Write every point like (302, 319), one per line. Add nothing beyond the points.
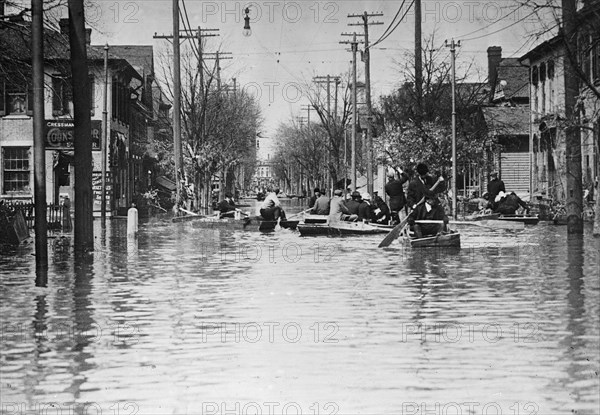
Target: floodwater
(195, 321)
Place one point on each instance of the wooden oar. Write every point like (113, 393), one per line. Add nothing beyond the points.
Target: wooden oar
(300, 213)
(395, 233)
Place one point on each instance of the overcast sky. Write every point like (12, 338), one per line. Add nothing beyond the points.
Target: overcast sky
(292, 41)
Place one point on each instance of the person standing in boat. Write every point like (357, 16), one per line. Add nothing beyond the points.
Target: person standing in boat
(495, 186)
(338, 211)
(395, 191)
(430, 210)
(227, 206)
(321, 205)
(271, 208)
(419, 186)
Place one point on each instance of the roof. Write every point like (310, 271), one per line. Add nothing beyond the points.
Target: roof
(139, 56)
(516, 76)
(507, 121)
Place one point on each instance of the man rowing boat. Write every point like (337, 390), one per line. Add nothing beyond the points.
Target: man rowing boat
(430, 210)
(271, 208)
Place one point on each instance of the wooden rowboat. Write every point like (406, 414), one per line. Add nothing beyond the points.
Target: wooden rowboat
(341, 228)
(244, 224)
(526, 219)
(445, 240)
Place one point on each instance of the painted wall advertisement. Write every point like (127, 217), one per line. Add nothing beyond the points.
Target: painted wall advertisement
(97, 189)
(59, 134)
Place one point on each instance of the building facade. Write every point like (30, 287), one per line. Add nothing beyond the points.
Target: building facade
(129, 124)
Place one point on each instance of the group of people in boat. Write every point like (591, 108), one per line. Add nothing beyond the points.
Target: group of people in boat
(420, 203)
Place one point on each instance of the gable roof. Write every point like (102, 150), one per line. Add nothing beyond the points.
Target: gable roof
(516, 76)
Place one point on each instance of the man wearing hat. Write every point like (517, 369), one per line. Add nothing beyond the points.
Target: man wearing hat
(313, 198)
(495, 186)
(227, 206)
(381, 211)
(338, 211)
(365, 209)
(354, 203)
(395, 190)
(321, 206)
(419, 186)
(430, 210)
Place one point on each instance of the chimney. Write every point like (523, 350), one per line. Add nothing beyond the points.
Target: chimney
(64, 26)
(88, 36)
(494, 57)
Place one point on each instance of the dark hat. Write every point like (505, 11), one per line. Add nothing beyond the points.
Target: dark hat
(338, 192)
(228, 194)
(355, 195)
(317, 190)
(494, 173)
(422, 168)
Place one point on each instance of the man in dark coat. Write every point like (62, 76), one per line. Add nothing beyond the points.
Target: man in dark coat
(365, 209)
(354, 203)
(495, 186)
(419, 186)
(227, 206)
(380, 210)
(395, 191)
(430, 210)
(508, 205)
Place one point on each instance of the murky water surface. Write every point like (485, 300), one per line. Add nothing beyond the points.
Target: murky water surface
(188, 320)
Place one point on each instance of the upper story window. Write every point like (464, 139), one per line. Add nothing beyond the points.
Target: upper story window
(62, 95)
(16, 98)
(534, 76)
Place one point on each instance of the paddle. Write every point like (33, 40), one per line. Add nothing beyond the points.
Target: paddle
(299, 213)
(395, 233)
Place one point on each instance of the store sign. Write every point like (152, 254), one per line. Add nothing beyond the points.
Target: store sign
(97, 189)
(60, 134)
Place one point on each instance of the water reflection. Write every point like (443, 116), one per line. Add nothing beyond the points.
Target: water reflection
(168, 322)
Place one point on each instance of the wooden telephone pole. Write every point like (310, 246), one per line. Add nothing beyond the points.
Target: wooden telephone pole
(354, 42)
(41, 222)
(367, 59)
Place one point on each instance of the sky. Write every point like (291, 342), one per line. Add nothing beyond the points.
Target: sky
(293, 41)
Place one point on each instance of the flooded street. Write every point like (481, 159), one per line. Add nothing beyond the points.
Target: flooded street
(189, 320)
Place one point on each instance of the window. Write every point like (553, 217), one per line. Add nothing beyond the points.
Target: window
(62, 95)
(92, 93)
(2, 97)
(596, 59)
(15, 163)
(16, 97)
(584, 54)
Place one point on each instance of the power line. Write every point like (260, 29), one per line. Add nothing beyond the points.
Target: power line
(395, 27)
(499, 30)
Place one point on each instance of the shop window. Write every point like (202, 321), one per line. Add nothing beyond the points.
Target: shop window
(16, 172)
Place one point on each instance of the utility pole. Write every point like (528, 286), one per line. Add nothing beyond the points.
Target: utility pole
(178, 148)
(84, 220)
(105, 136)
(307, 108)
(452, 45)
(41, 222)
(327, 80)
(574, 202)
(354, 49)
(367, 59)
(418, 62)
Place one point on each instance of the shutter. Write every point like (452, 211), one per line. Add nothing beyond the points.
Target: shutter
(2, 97)
(92, 94)
(56, 96)
(67, 94)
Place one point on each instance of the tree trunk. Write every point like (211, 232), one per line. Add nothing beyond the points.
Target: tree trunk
(84, 231)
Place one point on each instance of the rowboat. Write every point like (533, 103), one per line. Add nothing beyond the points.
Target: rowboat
(244, 224)
(526, 219)
(444, 240)
(339, 228)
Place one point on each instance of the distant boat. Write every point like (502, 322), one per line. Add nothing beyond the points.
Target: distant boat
(444, 240)
(315, 225)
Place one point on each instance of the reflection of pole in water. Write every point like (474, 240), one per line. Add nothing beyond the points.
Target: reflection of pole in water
(574, 342)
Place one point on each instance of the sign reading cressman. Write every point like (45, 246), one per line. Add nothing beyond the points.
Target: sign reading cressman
(60, 135)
